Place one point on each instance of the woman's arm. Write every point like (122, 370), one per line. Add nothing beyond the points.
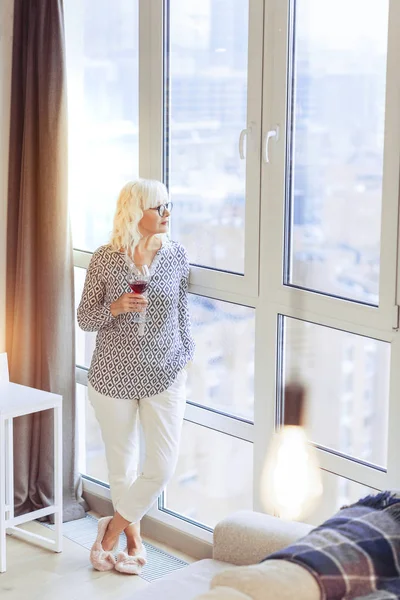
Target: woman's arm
(92, 312)
(183, 310)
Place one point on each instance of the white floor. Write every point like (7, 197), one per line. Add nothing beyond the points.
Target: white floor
(37, 574)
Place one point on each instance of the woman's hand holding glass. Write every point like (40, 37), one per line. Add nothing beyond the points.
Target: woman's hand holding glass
(128, 302)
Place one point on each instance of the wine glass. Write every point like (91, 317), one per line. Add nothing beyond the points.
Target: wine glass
(138, 280)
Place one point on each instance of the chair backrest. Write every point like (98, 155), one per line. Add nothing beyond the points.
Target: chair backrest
(4, 374)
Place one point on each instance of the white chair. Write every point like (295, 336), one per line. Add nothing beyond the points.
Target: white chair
(15, 401)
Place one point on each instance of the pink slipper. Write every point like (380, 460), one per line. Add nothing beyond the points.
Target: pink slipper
(102, 560)
(131, 565)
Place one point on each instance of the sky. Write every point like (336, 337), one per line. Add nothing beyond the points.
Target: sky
(336, 23)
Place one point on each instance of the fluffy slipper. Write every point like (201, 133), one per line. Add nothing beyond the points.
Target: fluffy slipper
(102, 560)
(131, 565)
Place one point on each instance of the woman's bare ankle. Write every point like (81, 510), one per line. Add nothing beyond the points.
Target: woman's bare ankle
(134, 545)
(133, 539)
(110, 537)
(109, 541)
(132, 533)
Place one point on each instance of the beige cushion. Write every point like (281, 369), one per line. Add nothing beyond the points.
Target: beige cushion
(246, 537)
(270, 580)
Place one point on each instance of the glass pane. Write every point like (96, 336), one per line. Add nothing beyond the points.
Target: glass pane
(209, 484)
(222, 375)
(102, 70)
(336, 151)
(207, 107)
(347, 380)
(84, 341)
(92, 458)
(338, 492)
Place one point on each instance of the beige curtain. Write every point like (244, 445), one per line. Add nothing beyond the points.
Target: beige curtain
(40, 298)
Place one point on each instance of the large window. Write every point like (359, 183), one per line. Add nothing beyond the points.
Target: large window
(337, 118)
(214, 476)
(207, 81)
(274, 124)
(103, 64)
(347, 381)
(330, 203)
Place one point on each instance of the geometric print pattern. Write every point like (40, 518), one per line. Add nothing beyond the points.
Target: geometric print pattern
(124, 364)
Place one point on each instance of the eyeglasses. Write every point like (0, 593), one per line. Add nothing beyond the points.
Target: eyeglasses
(162, 208)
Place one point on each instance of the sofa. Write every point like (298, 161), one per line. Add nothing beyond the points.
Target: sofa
(240, 540)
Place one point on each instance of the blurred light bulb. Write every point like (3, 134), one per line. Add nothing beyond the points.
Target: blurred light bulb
(291, 483)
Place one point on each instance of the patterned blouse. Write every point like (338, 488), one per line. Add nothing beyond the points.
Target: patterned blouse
(125, 364)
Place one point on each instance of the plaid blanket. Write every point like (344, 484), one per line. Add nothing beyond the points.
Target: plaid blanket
(356, 553)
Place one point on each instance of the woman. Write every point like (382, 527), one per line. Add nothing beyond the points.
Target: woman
(135, 375)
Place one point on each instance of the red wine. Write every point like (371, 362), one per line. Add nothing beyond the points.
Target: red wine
(138, 287)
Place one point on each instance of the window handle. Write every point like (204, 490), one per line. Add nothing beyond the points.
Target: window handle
(272, 133)
(243, 134)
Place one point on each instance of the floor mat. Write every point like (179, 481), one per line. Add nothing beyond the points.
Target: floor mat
(159, 563)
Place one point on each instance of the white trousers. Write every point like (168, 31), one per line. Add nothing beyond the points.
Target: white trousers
(161, 417)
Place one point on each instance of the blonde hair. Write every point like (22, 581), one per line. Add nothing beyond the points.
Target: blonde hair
(134, 198)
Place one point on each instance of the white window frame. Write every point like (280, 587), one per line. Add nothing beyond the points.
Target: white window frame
(273, 179)
(208, 282)
(278, 299)
(151, 60)
(205, 281)
(262, 285)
